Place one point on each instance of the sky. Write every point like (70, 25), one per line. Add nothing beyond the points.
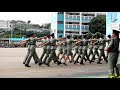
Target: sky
(108, 21)
(35, 17)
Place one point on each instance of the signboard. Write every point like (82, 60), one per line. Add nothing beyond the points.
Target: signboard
(115, 26)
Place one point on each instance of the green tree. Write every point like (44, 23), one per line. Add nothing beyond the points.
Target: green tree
(46, 26)
(29, 22)
(98, 24)
(98, 34)
(89, 34)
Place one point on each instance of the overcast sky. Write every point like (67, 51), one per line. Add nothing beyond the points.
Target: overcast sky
(35, 17)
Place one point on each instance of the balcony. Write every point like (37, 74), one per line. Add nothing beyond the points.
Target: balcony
(88, 12)
(73, 19)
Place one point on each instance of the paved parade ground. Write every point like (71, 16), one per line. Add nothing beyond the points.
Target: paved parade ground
(11, 66)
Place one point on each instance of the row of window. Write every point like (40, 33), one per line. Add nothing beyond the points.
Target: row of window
(77, 17)
(60, 22)
(72, 16)
(85, 27)
(60, 12)
(69, 13)
(72, 26)
(59, 31)
(86, 18)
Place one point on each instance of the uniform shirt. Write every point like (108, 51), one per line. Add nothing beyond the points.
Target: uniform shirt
(114, 44)
(102, 43)
(32, 41)
(44, 41)
(65, 45)
(61, 46)
(53, 43)
(85, 43)
(81, 44)
(69, 43)
(90, 45)
(96, 45)
(48, 45)
(77, 45)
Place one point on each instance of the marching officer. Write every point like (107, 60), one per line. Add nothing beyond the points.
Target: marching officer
(85, 47)
(48, 48)
(60, 51)
(44, 49)
(64, 43)
(80, 49)
(53, 55)
(32, 42)
(90, 46)
(76, 46)
(96, 46)
(69, 49)
(24, 42)
(113, 52)
(102, 49)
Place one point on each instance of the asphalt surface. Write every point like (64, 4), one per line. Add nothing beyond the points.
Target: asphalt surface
(11, 66)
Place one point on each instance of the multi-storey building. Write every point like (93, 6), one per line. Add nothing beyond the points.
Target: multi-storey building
(71, 23)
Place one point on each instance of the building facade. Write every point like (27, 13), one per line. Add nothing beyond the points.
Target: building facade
(5, 24)
(71, 23)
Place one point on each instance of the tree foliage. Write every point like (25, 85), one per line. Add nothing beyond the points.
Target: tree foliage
(98, 24)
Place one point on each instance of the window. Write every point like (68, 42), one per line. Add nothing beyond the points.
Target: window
(70, 26)
(86, 18)
(60, 12)
(60, 22)
(66, 26)
(78, 17)
(82, 26)
(74, 17)
(59, 31)
(70, 16)
(74, 26)
(66, 16)
(78, 26)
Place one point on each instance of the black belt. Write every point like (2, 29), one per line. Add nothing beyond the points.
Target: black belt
(31, 44)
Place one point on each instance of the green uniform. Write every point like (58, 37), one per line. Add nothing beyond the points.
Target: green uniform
(90, 49)
(76, 49)
(52, 55)
(80, 51)
(48, 48)
(44, 50)
(85, 47)
(96, 46)
(118, 60)
(60, 49)
(65, 48)
(69, 47)
(113, 56)
(32, 53)
(101, 48)
(27, 54)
